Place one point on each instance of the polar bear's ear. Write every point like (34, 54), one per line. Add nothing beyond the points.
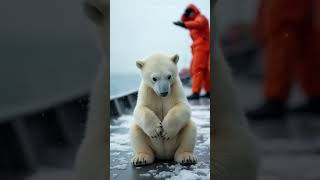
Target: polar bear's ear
(140, 64)
(175, 59)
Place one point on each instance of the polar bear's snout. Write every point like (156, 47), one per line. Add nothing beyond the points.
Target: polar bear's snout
(162, 87)
(164, 94)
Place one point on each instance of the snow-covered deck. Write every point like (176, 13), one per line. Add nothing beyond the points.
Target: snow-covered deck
(121, 152)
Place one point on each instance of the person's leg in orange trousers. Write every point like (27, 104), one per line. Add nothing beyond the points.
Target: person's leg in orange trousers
(199, 71)
(281, 56)
(197, 81)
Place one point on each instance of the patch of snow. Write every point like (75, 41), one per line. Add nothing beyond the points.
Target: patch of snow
(200, 171)
(145, 175)
(186, 175)
(164, 174)
(152, 171)
(115, 154)
(119, 147)
(119, 167)
(207, 142)
(122, 138)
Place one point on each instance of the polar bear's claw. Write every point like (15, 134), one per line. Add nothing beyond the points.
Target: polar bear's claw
(142, 159)
(185, 158)
(167, 136)
(156, 132)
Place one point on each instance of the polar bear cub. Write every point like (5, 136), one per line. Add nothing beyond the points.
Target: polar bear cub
(162, 126)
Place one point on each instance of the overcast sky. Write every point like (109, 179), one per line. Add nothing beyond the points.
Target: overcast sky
(140, 28)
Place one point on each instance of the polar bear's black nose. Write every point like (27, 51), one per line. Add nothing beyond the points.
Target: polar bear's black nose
(164, 94)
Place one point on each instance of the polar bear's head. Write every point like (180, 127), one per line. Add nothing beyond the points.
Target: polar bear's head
(159, 72)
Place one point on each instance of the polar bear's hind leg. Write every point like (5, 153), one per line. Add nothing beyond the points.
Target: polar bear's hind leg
(143, 154)
(187, 140)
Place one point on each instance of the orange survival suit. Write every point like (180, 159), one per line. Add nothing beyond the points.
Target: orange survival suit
(289, 31)
(198, 26)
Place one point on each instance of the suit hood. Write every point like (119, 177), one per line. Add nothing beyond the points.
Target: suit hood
(196, 10)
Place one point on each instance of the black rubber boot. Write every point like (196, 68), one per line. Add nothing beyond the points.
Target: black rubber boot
(193, 96)
(271, 109)
(207, 95)
(312, 106)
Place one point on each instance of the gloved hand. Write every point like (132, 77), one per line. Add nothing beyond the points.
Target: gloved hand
(187, 12)
(179, 23)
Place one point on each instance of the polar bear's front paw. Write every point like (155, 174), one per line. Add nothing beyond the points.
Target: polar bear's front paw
(185, 158)
(168, 132)
(141, 159)
(156, 131)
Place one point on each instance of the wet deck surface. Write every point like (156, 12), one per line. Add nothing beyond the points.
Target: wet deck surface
(121, 152)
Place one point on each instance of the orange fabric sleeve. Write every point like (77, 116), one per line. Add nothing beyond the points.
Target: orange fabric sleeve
(199, 22)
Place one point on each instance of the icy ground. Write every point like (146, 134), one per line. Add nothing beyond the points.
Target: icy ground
(121, 151)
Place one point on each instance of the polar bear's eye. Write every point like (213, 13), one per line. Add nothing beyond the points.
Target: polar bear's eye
(154, 79)
(169, 77)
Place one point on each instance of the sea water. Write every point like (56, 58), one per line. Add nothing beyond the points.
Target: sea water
(121, 83)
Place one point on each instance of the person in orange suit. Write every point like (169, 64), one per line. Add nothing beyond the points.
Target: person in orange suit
(198, 25)
(289, 32)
